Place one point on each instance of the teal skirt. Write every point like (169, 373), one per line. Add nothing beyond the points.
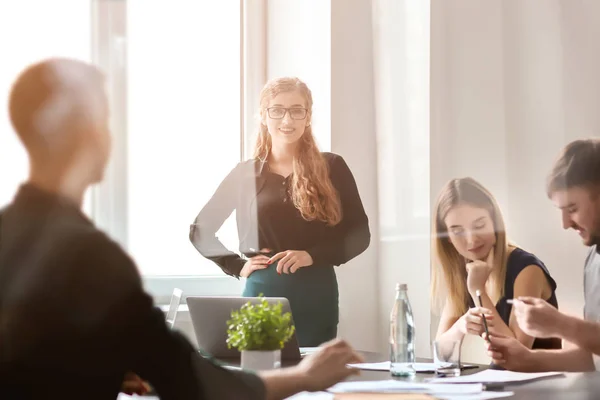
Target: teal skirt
(313, 296)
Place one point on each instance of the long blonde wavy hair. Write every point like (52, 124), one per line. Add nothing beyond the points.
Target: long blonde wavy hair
(311, 190)
(448, 272)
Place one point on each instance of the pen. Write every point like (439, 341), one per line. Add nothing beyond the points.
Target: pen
(493, 386)
(487, 333)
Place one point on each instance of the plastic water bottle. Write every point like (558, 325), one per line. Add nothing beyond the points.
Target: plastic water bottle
(402, 335)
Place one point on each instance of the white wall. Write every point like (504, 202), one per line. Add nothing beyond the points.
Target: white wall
(504, 102)
(339, 73)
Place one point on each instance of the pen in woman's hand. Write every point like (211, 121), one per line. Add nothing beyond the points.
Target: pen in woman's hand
(487, 333)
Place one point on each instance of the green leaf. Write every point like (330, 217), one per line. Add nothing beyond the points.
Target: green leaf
(260, 326)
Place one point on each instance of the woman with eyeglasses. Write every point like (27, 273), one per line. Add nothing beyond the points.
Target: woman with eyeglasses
(298, 215)
(472, 255)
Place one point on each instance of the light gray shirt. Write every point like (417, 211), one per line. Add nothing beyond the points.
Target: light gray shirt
(591, 285)
(591, 290)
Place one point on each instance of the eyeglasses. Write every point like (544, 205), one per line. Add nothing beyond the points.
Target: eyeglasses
(279, 112)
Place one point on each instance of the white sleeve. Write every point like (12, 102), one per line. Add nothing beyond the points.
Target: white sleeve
(596, 361)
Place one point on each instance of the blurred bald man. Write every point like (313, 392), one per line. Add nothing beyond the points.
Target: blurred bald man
(74, 319)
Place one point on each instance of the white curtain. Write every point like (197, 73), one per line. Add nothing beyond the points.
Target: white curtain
(401, 72)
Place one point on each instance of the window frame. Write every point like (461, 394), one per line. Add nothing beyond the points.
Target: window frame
(109, 199)
(396, 151)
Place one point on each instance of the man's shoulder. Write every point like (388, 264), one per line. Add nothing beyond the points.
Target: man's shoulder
(91, 251)
(72, 234)
(90, 235)
(97, 243)
(593, 258)
(102, 268)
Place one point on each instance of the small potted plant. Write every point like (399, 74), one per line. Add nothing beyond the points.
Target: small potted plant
(259, 330)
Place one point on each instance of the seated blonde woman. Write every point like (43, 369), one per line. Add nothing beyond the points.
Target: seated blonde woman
(471, 253)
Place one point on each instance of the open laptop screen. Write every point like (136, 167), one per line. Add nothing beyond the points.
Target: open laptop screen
(210, 315)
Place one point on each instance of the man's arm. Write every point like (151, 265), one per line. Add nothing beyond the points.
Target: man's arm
(570, 359)
(136, 336)
(318, 371)
(511, 354)
(585, 334)
(283, 383)
(163, 357)
(539, 319)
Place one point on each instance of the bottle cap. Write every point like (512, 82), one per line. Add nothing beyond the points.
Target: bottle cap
(401, 286)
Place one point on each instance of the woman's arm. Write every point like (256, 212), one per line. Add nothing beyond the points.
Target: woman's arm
(532, 282)
(209, 220)
(452, 328)
(448, 328)
(351, 236)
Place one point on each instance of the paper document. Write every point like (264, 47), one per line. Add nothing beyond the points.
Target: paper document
(308, 350)
(385, 366)
(394, 386)
(383, 396)
(378, 366)
(496, 376)
(311, 396)
(481, 396)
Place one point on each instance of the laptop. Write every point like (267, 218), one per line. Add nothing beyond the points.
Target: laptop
(209, 317)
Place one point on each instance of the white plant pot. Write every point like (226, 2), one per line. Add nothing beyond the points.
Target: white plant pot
(261, 360)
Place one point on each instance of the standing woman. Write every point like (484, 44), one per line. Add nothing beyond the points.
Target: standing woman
(298, 214)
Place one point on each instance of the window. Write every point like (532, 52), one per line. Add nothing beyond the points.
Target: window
(299, 44)
(176, 97)
(417, 84)
(401, 40)
(176, 88)
(56, 33)
(183, 126)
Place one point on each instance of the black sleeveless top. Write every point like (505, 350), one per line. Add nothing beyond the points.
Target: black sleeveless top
(517, 261)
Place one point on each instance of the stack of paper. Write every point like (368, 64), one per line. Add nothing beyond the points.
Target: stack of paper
(378, 366)
(394, 386)
(471, 388)
(304, 351)
(396, 396)
(497, 376)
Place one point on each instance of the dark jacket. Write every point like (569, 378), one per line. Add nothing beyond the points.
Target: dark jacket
(74, 317)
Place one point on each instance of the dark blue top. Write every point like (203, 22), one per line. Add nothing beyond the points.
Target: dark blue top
(517, 261)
